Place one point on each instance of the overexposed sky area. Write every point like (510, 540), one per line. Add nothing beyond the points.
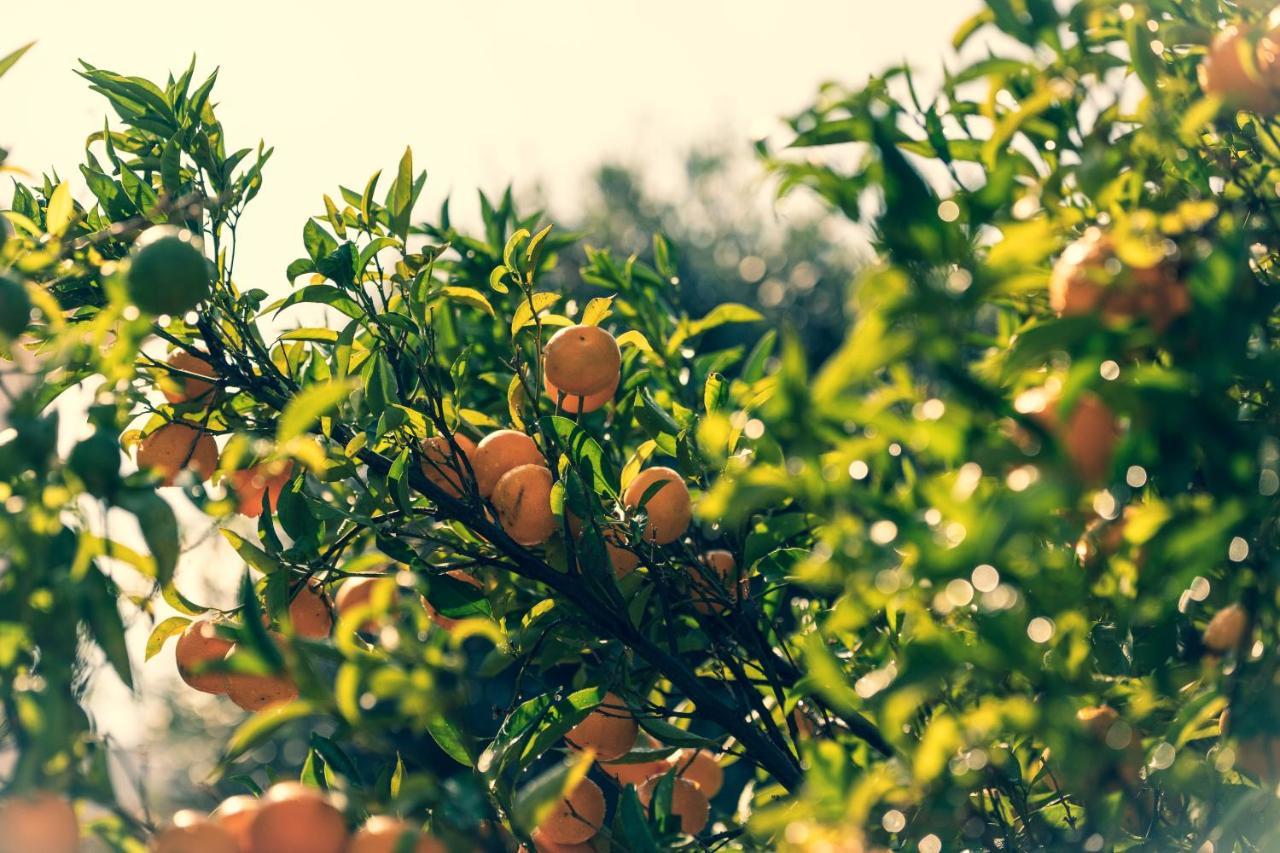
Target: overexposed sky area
(486, 91)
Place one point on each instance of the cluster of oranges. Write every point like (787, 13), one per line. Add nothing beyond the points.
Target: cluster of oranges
(611, 732)
(181, 445)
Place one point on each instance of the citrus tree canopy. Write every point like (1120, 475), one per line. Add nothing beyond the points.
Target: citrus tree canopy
(1000, 573)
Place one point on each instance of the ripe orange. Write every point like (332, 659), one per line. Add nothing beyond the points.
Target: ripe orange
(701, 768)
(635, 774)
(175, 447)
(42, 821)
(577, 817)
(357, 592)
(1242, 70)
(296, 819)
(574, 403)
(582, 360)
(1088, 437)
(236, 815)
(1227, 629)
(523, 501)
(610, 729)
(310, 612)
(670, 509)
(444, 621)
(184, 389)
(252, 483)
(499, 452)
(197, 645)
(192, 832)
(255, 692)
(385, 834)
(623, 560)
(1089, 278)
(542, 844)
(439, 465)
(688, 802)
(709, 595)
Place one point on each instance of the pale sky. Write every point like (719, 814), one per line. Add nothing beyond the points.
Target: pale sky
(485, 91)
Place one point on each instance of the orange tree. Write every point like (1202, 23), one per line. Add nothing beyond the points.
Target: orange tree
(998, 574)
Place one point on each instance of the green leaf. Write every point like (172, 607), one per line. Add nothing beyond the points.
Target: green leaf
(102, 614)
(61, 210)
(251, 554)
(672, 735)
(305, 410)
(513, 244)
(160, 634)
(255, 730)
(448, 738)
(530, 308)
(724, 314)
(597, 310)
(469, 296)
(401, 196)
(159, 529)
(9, 61)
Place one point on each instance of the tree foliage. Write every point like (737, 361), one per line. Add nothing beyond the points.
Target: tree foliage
(999, 567)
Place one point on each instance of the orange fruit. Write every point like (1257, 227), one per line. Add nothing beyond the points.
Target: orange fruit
(669, 508)
(296, 819)
(197, 645)
(192, 832)
(709, 595)
(523, 501)
(688, 802)
(255, 692)
(542, 844)
(499, 452)
(41, 821)
(1227, 629)
(577, 817)
(236, 815)
(575, 403)
(175, 447)
(1098, 719)
(439, 465)
(610, 729)
(1090, 278)
(310, 612)
(582, 360)
(444, 621)
(357, 592)
(1241, 69)
(637, 773)
(1088, 436)
(385, 834)
(623, 560)
(701, 768)
(184, 389)
(252, 483)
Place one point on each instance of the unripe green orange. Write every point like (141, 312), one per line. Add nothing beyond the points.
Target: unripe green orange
(669, 508)
(294, 818)
(192, 832)
(499, 452)
(168, 274)
(385, 834)
(582, 360)
(42, 821)
(523, 501)
(577, 817)
(688, 802)
(197, 645)
(610, 729)
(15, 307)
(182, 389)
(439, 465)
(177, 447)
